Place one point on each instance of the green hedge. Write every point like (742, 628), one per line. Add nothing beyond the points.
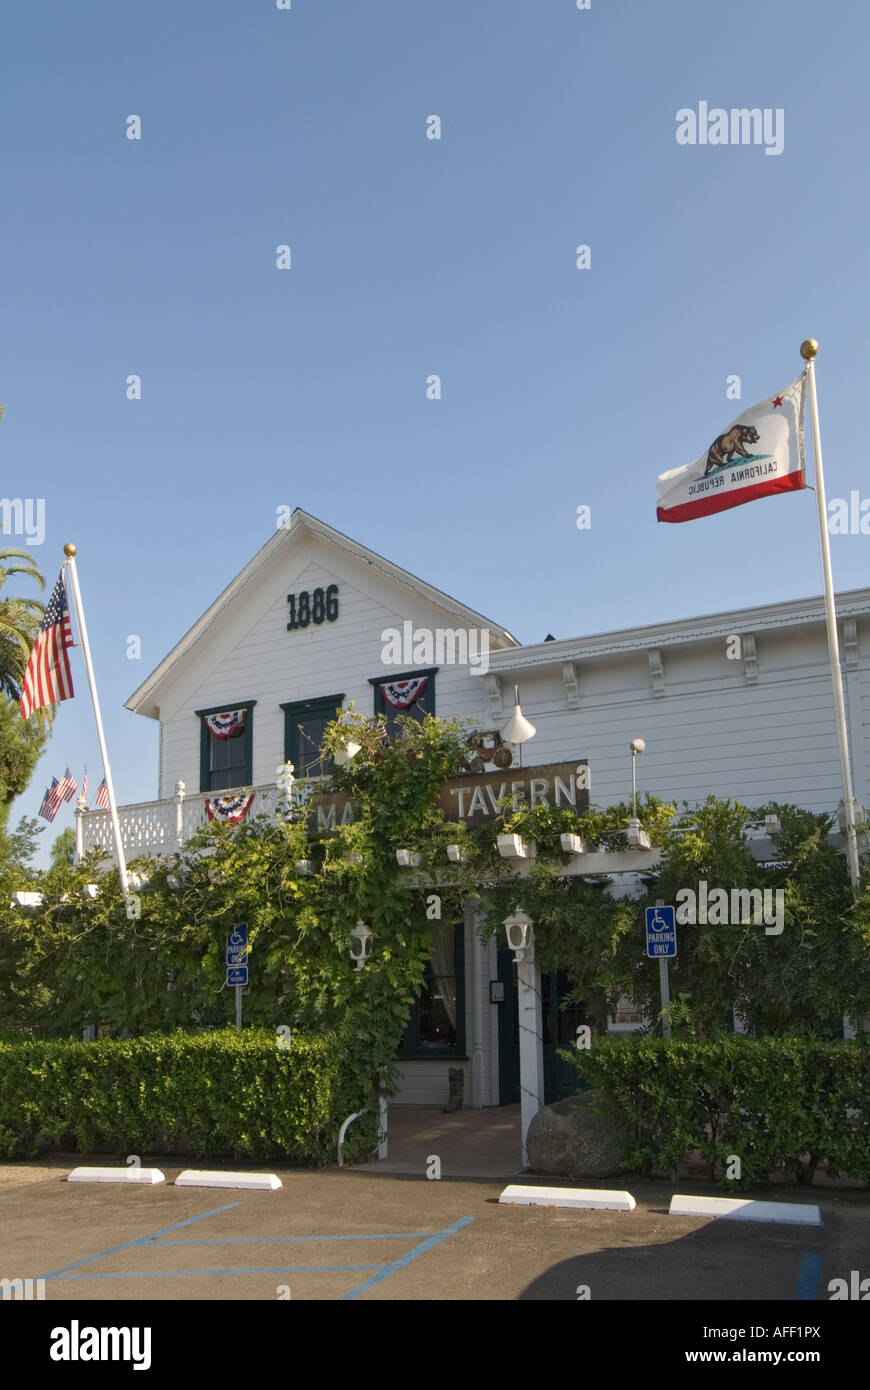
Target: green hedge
(771, 1101)
(215, 1093)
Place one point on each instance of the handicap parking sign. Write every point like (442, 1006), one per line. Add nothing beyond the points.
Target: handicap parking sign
(661, 932)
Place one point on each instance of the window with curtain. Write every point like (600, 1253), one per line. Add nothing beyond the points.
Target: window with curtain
(436, 1027)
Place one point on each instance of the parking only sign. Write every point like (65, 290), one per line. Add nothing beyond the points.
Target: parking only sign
(661, 932)
(237, 956)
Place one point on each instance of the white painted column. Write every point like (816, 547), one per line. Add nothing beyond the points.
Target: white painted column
(477, 984)
(531, 1042)
(81, 807)
(179, 814)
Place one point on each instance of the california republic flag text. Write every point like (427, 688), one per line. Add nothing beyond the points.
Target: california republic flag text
(761, 453)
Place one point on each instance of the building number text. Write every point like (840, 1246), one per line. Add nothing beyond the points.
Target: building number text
(313, 607)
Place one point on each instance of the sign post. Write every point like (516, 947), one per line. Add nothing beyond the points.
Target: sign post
(237, 965)
(661, 945)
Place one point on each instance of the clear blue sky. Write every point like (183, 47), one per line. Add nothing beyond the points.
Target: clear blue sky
(412, 256)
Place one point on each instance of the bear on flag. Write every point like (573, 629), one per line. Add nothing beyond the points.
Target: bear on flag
(759, 454)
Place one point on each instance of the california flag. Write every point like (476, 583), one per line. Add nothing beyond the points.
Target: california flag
(760, 454)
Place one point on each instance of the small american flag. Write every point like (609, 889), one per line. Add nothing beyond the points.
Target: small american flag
(103, 796)
(68, 786)
(85, 785)
(51, 802)
(48, 678)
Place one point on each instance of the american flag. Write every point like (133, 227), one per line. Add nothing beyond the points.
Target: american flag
(68, 786)
(51, 802)
(48, 678)
(85, 785)
(103, 796)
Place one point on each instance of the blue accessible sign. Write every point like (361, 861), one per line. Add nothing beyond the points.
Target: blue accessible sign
(661, 931)
(237, 956)
(237, 946)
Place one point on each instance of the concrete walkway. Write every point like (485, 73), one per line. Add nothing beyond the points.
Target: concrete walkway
(470, 1143)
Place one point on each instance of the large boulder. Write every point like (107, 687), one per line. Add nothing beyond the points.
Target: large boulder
(569, 1140)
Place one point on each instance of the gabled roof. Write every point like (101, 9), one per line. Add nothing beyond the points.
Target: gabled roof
(145, 700)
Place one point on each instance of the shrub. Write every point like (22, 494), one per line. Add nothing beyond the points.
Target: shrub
(771, 1101)
(222, 1092)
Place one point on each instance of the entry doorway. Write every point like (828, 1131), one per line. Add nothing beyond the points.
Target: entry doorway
(559, 1031)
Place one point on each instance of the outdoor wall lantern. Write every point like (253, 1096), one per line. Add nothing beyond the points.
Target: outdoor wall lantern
(518, 730)
(772, 826)
(518, 928)
(360, 944)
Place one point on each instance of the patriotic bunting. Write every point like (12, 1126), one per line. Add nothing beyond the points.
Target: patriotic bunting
(228, 809)
(402, 694)
(227, 725)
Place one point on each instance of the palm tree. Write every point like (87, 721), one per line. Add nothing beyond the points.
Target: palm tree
(20, 619)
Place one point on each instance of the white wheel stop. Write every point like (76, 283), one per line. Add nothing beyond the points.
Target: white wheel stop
(592, 1198)
(252, 1182)
(745, 1209)
(148, 1176)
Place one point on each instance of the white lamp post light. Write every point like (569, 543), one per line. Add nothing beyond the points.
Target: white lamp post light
(518, 928)
(360, 944)
(637, 836)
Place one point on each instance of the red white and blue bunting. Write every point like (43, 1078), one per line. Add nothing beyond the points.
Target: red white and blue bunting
(227, 725)
(229, 808)
(402, 694)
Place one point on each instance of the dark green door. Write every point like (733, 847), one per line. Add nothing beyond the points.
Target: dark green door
(559, 1030)
(508, 1031)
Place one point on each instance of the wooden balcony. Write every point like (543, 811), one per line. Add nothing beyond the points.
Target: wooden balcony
(157, 828)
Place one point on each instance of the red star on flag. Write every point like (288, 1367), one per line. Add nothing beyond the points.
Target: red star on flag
(777, 400)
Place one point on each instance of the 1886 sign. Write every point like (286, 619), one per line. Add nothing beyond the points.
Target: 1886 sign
(312, 606)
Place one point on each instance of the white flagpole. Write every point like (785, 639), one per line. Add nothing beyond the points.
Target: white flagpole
(70, 565)
(809, 348)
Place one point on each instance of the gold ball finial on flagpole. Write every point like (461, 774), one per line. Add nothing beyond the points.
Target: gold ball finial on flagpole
(809, 348)
(69, 549)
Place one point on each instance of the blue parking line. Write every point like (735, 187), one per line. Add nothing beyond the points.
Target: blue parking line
(286, 1240)
(403, 1260)
(140, 1240)
(182, 1273)
(808, 1280)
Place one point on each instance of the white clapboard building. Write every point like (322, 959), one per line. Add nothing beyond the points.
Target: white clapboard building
(299, 633)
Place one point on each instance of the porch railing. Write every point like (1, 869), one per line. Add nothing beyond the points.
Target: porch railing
(158, 827)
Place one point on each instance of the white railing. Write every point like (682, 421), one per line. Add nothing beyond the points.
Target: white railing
(158, 827)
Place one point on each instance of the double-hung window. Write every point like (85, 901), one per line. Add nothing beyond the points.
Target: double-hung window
(305, 722)
(411, 693)
(226, 746)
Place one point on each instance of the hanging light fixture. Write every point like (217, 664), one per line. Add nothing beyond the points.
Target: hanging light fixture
(518, 730)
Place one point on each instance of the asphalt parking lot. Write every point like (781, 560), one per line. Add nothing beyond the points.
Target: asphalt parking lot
(349, 1235)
